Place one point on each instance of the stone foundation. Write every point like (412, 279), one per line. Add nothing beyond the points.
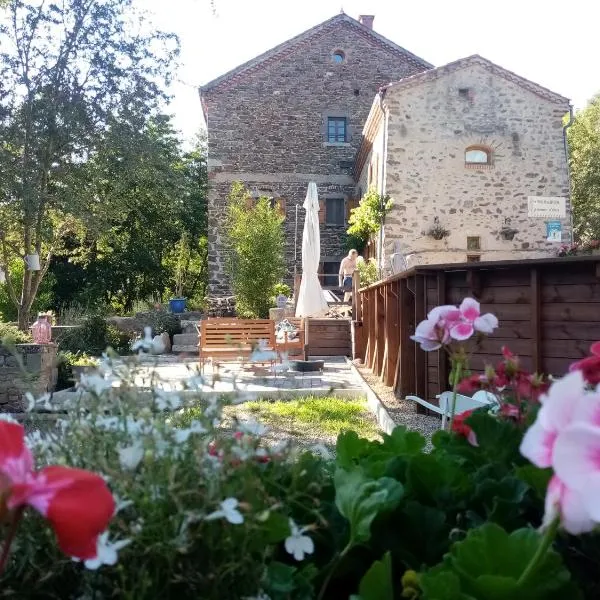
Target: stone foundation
(32, 368)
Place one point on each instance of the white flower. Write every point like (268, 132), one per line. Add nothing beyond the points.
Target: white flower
(298, 544)
(182, 435)
(106, 552)
(167, 400)
(227, 511)
(322, 451)
(7, 417)
(121, 504)
(253, 428)
(131, 456)
(145, 343)
(94, 383)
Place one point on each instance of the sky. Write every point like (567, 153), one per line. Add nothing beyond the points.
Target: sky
(551, 43)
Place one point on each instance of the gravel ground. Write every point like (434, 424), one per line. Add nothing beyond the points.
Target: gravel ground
(402, 412)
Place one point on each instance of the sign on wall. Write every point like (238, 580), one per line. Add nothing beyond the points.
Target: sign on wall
(546, 207)
(553, 231)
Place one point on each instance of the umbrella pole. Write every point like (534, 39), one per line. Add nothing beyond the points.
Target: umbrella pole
(296, 244)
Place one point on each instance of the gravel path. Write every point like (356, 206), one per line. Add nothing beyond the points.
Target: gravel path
(402, 412)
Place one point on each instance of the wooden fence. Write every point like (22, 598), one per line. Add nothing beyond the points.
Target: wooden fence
(549, 313)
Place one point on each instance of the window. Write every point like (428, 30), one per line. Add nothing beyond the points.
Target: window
(334, 211)
(473, 243)
(331, 271)
(338, 57)
(478, 155)
(336, 129)
(473, 258)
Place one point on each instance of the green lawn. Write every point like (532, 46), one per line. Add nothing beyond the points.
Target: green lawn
(325, 415)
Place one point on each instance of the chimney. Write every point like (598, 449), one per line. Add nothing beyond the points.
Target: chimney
(366, 20)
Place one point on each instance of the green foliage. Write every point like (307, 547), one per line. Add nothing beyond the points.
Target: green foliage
(377, 582)
(69, 71)
(93, 336)
(584, 162)
(255, 261)
(366, 218)
(42, 302)
(162, 321)
(11, 334)
(369, 273)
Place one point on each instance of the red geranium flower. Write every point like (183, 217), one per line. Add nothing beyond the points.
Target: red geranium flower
(589, 366)
(461, 428)
(77, 503)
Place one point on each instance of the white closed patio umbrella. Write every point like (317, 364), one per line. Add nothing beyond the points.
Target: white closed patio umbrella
(311, 301)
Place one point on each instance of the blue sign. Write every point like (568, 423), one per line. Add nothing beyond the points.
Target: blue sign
(553, 231)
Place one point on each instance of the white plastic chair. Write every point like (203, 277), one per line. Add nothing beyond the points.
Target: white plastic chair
(463, 403)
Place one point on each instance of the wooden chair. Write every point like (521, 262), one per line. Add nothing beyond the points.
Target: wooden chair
(230, 339)
(297, 345)
(463, 403)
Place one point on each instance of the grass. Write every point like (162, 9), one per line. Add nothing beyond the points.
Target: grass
(326, 415)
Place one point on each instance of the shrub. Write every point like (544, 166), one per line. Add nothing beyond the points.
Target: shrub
(11, 334)
(255, 262)
(369, 273)
(93, 336)
(162, 321)
(365, 219)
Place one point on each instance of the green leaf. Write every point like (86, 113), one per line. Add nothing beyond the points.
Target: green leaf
(349, 447)
(403, 442)
(440, 584)
(489, 563)
(537, 479)
(360, 499)
(497, 439)
(376, 583)
(437, 479)
(277, 527)
(280, 577)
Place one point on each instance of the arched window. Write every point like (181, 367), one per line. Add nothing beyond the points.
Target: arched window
(478, 155)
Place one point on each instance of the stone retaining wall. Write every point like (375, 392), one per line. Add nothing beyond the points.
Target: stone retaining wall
(27, 368)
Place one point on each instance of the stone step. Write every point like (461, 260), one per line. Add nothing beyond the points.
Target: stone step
(185, 339)
(177, 348)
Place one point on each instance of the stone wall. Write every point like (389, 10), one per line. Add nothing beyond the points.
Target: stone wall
(266, 128)
(32, 369)
(429, 127)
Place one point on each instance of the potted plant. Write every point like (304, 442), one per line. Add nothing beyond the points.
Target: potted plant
(177, 304)
(507, 232)
(436, 231)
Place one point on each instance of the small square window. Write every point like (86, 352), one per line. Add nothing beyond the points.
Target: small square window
(335, 211)
(336, 129)
(473, 258)
(473, 243)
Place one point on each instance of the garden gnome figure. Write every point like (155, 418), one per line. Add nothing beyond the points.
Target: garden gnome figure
(41, 330)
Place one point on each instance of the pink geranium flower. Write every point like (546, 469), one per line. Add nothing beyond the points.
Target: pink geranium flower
(566, 437)
(447, 323)
(77, 503)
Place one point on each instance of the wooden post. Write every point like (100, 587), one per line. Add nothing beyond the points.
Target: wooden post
(442, 362)
(381, 331)
(404, 382)
(420, 356)
(297, 280)
(393, 334)
(536, 321)
(356, 297)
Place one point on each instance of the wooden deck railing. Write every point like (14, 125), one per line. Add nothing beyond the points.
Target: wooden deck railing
(549, 313)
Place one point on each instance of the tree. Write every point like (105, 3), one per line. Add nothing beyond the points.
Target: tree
(67, 71)
(255, 260)
(148, 221)
(584, 163)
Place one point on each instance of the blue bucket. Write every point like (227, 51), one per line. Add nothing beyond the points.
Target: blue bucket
(177, 305)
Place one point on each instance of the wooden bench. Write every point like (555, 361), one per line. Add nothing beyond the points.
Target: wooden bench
(231, 339)
(296, 345)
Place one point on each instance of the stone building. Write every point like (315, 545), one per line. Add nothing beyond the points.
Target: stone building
(460, 149)
(295, 115)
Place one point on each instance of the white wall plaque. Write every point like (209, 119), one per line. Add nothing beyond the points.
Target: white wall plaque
(546, 207)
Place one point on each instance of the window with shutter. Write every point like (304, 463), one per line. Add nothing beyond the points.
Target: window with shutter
(335, 211)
